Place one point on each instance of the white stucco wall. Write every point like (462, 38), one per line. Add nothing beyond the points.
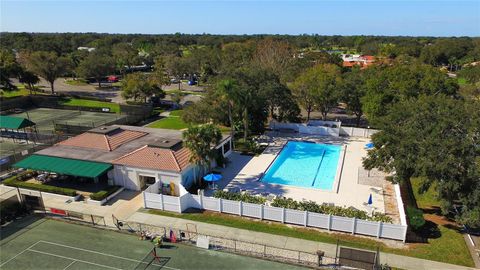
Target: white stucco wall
(129, 176)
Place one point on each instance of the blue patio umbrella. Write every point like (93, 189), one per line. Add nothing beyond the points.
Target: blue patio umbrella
(212, 177)
(370, 200)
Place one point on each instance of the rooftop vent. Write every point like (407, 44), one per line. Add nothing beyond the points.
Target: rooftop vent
(104, 130)
(166, 144)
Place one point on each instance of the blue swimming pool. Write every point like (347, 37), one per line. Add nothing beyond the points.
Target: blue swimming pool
(304, 164)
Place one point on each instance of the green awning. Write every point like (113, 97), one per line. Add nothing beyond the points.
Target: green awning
(11, 122)
(64, 166)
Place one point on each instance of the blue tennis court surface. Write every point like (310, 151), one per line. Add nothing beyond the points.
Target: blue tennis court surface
(304, 164)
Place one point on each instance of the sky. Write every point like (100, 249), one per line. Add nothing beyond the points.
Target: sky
(324, 17)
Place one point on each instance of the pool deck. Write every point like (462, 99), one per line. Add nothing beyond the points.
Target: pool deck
(244, 173)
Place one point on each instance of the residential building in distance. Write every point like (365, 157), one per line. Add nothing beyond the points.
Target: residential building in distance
(351, 60)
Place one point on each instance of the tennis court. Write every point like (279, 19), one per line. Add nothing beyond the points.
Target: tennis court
(9, 147)
(50, 244)
(45, 118)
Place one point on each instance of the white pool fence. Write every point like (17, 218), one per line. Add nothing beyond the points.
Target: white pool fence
(283, 215)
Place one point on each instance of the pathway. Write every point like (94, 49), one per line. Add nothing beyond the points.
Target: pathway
(398, 261)
(122, 206)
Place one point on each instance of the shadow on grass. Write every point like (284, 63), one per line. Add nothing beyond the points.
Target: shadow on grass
(428, 231)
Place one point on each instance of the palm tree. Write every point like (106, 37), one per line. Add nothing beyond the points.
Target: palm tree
(227, 90)
(201, 141)
(244, 96)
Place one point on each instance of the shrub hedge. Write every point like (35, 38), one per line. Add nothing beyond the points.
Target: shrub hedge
(415, 218)
(314, 207)
(239, 197)
(310, 206)
(102, 194)
(15, 181)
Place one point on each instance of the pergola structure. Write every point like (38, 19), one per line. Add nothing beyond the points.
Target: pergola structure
(65, 166)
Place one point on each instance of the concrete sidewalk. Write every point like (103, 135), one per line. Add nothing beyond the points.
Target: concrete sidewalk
(398, 261)
(122, 206)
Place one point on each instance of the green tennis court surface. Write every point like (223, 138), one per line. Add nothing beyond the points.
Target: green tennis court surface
(50, 244)
(8, 147)
(44, 118)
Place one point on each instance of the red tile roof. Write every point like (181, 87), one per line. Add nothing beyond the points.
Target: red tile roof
(350, 63)
(107, 142)
(156, 158)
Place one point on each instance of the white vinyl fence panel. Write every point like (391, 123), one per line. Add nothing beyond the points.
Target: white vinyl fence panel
(391, 231)
(357, 132)
(273, 213)
(343, 224)
(318, 220)
(290, 216)
(171, 203)
(252, 210)
(162, 202)
(196, 198)
(366, 227)
(294, 217)
(210, 203)
(231, 207)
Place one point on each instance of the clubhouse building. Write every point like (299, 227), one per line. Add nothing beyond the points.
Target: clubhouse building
(128, 156)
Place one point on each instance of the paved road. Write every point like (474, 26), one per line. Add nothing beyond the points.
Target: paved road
(113, 94)
(62, 87)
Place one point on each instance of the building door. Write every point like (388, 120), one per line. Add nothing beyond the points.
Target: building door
(146, 181)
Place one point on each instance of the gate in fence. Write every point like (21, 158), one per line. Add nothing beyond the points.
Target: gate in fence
(357, 258)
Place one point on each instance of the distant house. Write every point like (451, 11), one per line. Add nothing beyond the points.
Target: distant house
(351, 60)
(89, 49)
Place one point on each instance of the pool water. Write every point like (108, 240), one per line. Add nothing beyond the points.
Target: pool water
(304, 164)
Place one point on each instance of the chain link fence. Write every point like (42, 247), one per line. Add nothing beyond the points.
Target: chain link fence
(230, 245)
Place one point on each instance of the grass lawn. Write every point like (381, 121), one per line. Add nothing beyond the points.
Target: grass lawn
(169, 123)
(177, 113)
(20, 91)
(173, 121)
(114, 107)
(448, 248)
(450, 242)
(462, 81)
(76, 82)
